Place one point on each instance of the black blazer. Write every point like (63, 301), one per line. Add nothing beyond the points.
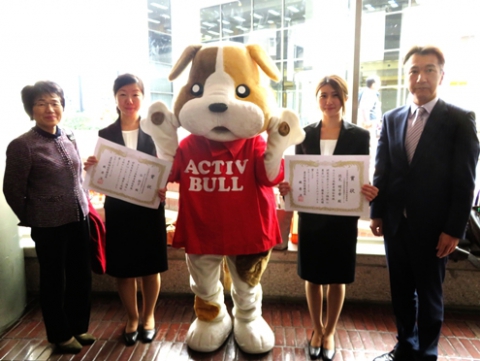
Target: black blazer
(113, 133)
(352, 140)
(436, 189)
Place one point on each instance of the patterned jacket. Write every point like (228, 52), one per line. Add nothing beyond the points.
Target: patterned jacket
(43, 183)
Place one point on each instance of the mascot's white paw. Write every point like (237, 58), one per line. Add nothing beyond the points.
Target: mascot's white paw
(284, 131)
(255, 336)
(206, 336)
(161, 124)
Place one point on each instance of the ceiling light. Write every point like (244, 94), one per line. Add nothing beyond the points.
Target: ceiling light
(227, 31)
(257, 16)
(154, 21)
(163, 7)
(226, 22)
(213, 32)
(210, 25)
(273, 12)
(393, 4)
(239, 18)
(293, 9)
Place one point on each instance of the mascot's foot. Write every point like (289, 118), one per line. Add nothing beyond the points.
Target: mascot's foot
(255, 336)
(206, 336)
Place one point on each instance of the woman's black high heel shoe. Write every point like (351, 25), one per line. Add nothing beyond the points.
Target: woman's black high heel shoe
(328, 355)
(313, 351)
(130, 337)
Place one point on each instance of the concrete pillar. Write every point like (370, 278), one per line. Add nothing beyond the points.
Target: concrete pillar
(12, 268)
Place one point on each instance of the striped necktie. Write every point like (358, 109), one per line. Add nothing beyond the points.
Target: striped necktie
(414, 132)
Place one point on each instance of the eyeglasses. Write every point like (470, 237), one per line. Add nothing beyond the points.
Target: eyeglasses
(43, 105)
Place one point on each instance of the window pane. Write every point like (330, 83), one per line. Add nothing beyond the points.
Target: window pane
(268, 39)
(160, 47)
(267, 14)
(294, 12)
(166, 98)
(294, 42)
(236, 18)
(393, 26)
(210, 23)
(159, 16)
(384, 5)
(159, 78)
(239, 39)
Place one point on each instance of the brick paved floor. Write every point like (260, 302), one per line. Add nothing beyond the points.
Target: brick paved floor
(364, 331)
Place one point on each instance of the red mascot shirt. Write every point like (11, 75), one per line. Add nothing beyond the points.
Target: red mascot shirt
(227, 205)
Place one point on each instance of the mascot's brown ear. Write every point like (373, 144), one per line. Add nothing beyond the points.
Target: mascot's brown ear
(185, 59)
(264, 61)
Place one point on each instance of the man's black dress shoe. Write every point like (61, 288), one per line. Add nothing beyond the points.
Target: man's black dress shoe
(386, 357)
(130, 338)
(328, 355)
(314, 352)
(148, 335)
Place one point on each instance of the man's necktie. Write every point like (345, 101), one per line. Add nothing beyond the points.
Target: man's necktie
(414, 132)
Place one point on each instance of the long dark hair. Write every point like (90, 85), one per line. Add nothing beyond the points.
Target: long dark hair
(338, 84)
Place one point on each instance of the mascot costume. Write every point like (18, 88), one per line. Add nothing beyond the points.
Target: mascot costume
(226, 171)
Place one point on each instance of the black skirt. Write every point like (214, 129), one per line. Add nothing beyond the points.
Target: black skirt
(136, 243)
(327, 248)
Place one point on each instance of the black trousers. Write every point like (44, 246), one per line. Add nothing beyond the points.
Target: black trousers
(65, 278)
(416, 278)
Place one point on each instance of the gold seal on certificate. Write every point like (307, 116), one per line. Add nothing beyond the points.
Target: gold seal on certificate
(327, 184)
(127, 174)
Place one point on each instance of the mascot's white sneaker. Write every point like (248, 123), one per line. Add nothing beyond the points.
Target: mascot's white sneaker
(255, 336)
(206, 336)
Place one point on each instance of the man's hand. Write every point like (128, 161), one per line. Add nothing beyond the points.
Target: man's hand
(446, 245)
(376, 225)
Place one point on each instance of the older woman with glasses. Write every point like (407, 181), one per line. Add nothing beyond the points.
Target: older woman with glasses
(43, 186)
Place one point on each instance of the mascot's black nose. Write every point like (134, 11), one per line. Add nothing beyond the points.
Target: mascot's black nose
(218, 107)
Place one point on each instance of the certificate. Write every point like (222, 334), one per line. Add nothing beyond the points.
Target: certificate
(127, 174)
(327, 184)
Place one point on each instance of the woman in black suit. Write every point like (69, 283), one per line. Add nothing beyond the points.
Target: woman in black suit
(327, 244)
(136, 243)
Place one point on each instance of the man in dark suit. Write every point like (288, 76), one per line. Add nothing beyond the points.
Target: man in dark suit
(425, 172)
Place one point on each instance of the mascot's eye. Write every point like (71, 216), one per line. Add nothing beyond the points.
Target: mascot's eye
(243, 91)
(197, 89)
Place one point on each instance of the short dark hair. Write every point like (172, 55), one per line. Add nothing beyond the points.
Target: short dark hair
(370, 81)
(31, 93)
(338, 84)
(425, 50)
(127, 79)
